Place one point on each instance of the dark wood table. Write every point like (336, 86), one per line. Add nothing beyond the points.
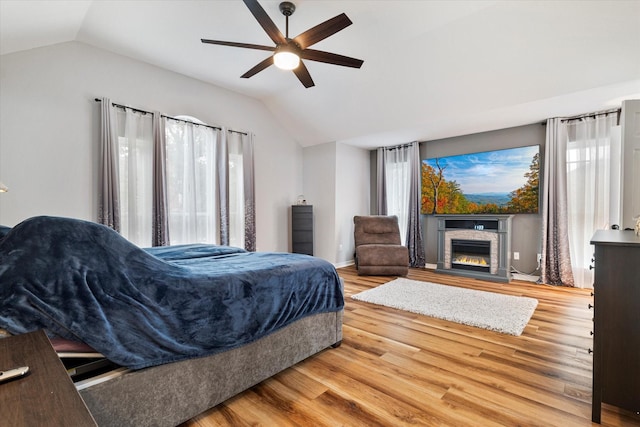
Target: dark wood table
(46, 396)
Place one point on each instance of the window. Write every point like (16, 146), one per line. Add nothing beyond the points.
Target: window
(197, 165)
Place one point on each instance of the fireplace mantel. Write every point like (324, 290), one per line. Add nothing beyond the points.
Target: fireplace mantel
(495, 229)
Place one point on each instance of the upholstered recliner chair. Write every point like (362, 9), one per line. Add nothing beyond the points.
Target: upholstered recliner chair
(378, 248)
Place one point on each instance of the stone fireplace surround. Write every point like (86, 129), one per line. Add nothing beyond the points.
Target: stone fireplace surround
(495, 229)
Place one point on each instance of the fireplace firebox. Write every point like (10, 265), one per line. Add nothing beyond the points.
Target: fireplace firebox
(472, 255)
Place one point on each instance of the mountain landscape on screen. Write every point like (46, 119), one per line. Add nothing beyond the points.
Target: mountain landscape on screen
(498, 182)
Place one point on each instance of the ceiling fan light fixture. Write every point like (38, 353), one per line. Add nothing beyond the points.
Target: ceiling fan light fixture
(288, 52)
(286, 58)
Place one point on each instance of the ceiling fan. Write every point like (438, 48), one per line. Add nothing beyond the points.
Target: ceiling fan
(289, 52)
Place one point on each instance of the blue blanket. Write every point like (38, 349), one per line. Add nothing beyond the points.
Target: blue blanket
(145, 307)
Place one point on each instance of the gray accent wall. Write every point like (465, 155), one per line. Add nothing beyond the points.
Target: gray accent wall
(526, 231)
(526, 228)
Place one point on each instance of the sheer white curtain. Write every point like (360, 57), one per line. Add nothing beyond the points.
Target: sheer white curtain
(236, 189)
(397, 176)
(591, 186)
(135, 148)
(192, 182)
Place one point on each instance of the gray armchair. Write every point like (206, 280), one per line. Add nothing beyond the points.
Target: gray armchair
(378, 248)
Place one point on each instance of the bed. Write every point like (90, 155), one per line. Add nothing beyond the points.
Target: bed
(186, 326)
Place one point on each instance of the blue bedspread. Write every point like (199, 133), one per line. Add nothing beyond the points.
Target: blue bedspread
(145, 307)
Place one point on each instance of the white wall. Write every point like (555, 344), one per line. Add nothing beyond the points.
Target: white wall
(49, 124)
(319, 186)
(336, 183)
(630, 121)
(352, 197)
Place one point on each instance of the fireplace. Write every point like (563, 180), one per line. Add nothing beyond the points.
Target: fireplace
(476, 246)
(472, 255)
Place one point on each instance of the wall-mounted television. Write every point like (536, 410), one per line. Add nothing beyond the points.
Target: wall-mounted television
(491, 182)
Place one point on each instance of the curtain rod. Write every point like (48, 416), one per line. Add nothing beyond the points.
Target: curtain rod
(169, 117)
(395, 147)
(594, 114)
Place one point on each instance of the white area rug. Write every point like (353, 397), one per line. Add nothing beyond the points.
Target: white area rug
(507, 314)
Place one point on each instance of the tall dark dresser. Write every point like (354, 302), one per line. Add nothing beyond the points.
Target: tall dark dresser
(616, 334)
(302, 229)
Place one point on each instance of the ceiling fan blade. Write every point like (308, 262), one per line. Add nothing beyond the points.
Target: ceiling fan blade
(331, 58)
(234, 44)
(261, 66)
(303, 75)
(322, 31)
(263, 19)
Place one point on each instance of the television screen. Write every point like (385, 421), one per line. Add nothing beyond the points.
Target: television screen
(491, 182)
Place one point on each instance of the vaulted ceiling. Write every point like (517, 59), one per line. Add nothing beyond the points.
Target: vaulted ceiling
(432, 69)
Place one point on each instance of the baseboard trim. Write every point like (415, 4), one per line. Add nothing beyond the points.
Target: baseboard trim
(525, 277)
(343, 264)
(516, 276)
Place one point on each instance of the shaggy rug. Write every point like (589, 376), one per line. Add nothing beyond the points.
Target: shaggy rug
(507, 314)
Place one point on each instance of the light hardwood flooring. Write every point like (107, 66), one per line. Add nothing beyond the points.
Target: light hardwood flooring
(396, 368)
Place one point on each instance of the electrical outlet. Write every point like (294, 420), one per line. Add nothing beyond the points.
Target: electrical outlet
(539, 258)
(516, 255)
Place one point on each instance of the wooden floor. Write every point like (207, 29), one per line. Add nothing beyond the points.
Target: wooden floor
(396, 368)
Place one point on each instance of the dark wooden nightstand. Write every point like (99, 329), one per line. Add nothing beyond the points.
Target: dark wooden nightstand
(46, 396)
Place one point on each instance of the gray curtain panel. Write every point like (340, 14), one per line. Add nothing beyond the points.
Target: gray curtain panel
(223, 188)
(109, 196)
(249, 193)
(381, 183)
(417, 256)
(556, 258)
(160, 235)
(246, 141)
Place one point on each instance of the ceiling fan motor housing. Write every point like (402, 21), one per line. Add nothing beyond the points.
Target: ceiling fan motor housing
(287, 8)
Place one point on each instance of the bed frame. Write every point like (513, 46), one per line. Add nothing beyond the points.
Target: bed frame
(170, 394)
